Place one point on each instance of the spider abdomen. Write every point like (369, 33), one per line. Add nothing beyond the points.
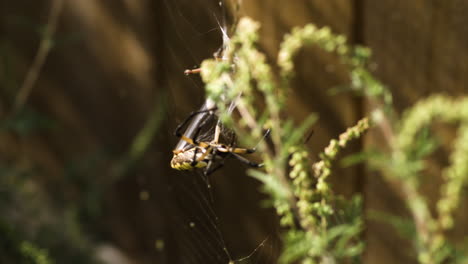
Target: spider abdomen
(189, 160)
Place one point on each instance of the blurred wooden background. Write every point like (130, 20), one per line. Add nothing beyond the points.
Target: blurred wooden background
(115, 64)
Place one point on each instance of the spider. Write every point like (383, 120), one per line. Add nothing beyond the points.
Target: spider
(191, 153)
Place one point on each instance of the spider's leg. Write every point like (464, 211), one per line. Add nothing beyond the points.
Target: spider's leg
(209, 169)
(242, 150)
(246, 150)
(192, 71)
(309, 135)
(233, 139)
(265, 136)
(194, 159)
(208, 150)
(217, 132)
(246, 161)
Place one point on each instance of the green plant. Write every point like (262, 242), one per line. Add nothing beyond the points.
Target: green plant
(298, 189)
(300, 193)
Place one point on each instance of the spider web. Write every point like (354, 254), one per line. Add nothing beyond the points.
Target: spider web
(195, 223)
(198, 226)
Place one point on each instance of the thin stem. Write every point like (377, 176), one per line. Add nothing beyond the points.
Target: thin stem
(41, 55)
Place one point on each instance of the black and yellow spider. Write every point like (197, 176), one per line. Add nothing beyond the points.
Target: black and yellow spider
(191, 153)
